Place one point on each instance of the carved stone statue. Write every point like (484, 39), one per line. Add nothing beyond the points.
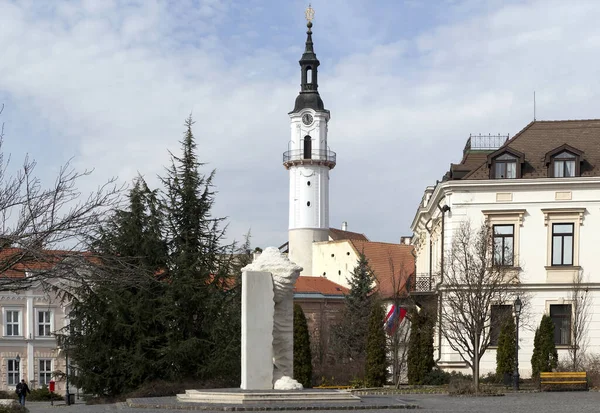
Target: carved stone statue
(284, 274)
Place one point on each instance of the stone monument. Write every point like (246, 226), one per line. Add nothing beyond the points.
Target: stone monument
(268, 322)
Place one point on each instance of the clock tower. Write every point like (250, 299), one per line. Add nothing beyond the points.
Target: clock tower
(308, 160)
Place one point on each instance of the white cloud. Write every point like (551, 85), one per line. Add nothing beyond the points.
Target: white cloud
(113, 82)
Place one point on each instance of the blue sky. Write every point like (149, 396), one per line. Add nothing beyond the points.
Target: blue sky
(110, 83)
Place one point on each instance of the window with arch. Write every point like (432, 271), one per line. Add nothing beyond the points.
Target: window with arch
(307, 147)
(309, 75)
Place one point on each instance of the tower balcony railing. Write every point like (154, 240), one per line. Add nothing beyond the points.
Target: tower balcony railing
(299, 156)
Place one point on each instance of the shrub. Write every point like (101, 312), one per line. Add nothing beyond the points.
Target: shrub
(461, 386)
(302, 354)
(376, 367)
(8, 394)
(505, 354)
(13, 408)
(545, 357)
(420, 348)
(43, 394)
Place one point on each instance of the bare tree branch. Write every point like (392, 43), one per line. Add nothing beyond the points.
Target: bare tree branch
(472, 284)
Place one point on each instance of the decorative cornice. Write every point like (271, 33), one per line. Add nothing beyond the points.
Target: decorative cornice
(511, 213)
(577, 213)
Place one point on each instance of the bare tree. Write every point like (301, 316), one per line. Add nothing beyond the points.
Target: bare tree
(44, 227)
(472, 284)
(581, 301)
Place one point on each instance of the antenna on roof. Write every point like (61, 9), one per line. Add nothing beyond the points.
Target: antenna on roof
(534, 105)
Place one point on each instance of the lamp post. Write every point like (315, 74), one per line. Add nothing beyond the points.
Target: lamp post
(517, 307)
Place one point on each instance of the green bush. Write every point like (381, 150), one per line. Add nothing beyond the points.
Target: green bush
(438, 377)
(376, 367)
(8, 394)
(302, 353)
(13, 408)
(505, 354)
(420, 348)
(460, 386)
(545, 357)
(43, 394)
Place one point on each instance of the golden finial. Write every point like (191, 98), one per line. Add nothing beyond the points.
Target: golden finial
(309, 13)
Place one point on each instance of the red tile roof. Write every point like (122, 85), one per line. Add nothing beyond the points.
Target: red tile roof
(338, 235)
(393, 265)
(318, 285)
(15, 262)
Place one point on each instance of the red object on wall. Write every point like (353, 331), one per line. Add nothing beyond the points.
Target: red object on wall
(51, 386)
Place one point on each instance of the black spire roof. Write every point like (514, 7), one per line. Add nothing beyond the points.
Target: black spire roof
(309, 94)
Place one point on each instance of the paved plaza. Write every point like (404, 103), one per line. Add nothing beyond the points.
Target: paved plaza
(575, 402)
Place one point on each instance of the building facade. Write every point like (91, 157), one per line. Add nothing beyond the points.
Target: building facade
(539, 192)
(28, 346)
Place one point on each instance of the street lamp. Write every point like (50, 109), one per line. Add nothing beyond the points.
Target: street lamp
(517, 305)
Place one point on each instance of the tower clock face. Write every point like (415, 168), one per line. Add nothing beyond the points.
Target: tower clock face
(307, 119)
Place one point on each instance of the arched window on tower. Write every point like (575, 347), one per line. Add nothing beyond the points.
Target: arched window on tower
(307, 147)
(309, 75)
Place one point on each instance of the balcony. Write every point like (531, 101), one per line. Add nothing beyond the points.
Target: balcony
(424, 283)
(315, 157)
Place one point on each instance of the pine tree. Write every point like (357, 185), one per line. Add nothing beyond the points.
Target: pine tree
(114, 334)
(376, 366)
(350, 335)
(420, 350)
(302, 353)
(199, 269)
(545, 356)
(505, 353)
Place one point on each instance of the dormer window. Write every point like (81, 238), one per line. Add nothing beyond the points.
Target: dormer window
(505, 167)
(564, 162)
(564, 165)
(505, 163)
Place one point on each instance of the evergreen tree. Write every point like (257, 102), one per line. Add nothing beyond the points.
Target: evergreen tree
(350, 335)
(114, 333)
(376, 367)
(199, 270)
(545, 357)
(302, 353)
(420, 350)
(505, 353)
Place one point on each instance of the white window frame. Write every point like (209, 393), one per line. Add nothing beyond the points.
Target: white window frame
(19, 322)
(43, 373)
(512, 217)
(12, 375)
(563, 216)
(49, 323)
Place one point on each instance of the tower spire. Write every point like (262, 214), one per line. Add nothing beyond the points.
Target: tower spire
(309, 95)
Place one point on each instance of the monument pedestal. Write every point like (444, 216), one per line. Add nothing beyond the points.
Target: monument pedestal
(239, 396)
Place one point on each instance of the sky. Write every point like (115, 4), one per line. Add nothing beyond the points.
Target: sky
(109, 84)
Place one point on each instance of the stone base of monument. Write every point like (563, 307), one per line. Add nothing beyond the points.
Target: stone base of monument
(239, 396)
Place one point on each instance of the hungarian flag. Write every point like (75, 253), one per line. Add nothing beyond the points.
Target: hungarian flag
(393, 318)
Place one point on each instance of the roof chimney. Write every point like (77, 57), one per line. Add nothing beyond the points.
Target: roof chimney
(345, 226)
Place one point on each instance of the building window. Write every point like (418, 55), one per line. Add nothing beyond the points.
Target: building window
(45, 372)
(44, 323)
(499, 315)
(561, 317)
(504, 245)
(13, 318)
(564, 165)
(562, 244)
(13, 372)
(505, 167)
